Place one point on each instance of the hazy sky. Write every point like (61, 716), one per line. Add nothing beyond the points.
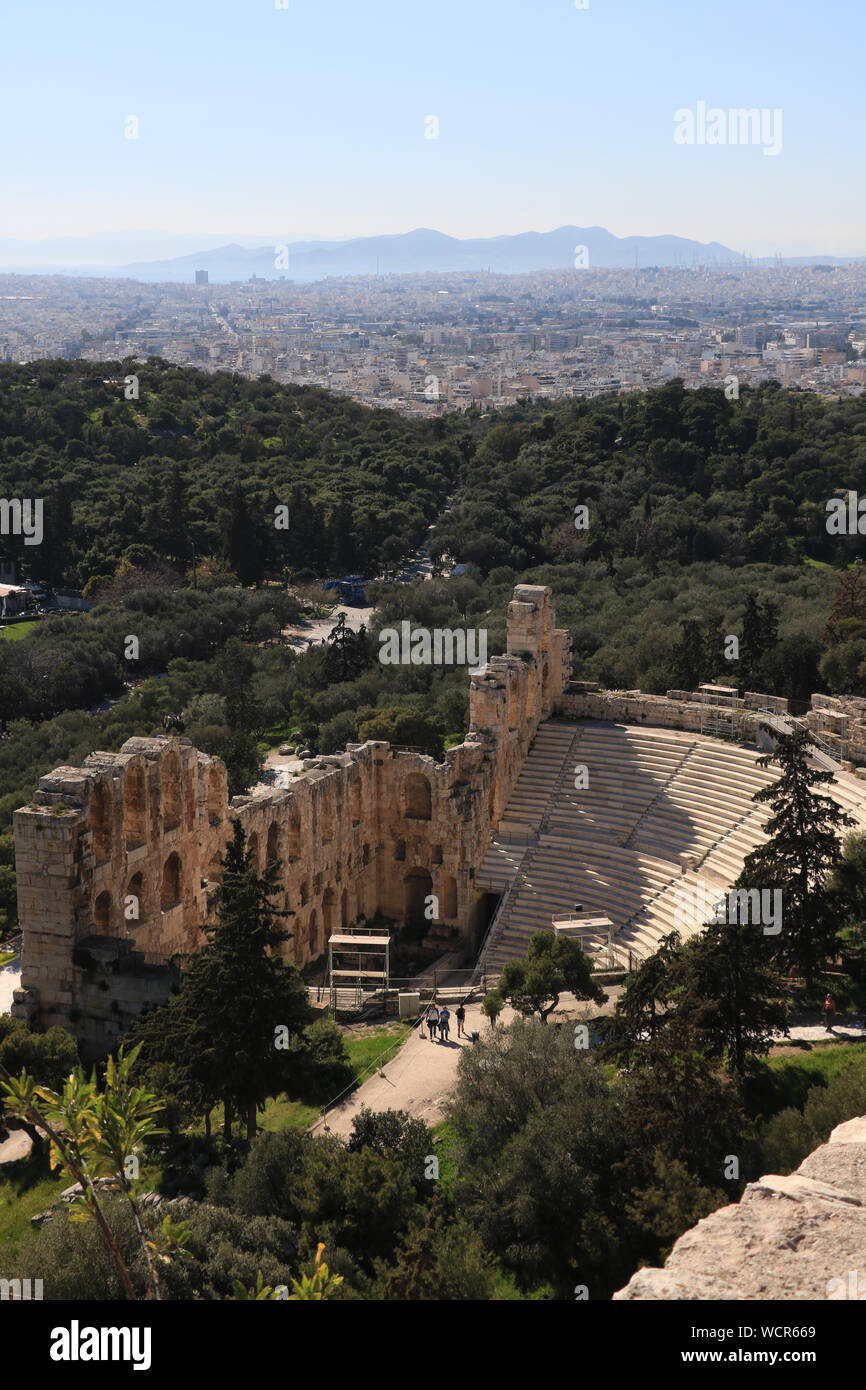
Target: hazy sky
(312, 118)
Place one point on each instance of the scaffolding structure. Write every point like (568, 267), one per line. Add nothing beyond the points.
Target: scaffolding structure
(367, 946)
(720, 710)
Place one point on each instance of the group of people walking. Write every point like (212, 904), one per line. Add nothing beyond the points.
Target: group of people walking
(438, 1020)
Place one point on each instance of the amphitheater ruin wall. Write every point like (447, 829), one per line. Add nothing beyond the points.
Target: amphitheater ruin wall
(118, 861)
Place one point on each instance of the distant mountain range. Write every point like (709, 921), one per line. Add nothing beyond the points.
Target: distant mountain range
(424, 250)
(413, 252)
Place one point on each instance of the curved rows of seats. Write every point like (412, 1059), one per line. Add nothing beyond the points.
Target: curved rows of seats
(658, 813)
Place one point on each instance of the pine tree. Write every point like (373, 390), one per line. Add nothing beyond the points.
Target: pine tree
(223, 1030)
(800, 854)
(174, 538)
(689, 656)
(244, 549)
(732, 991)
(644, 1006)
(346, 653)
(760, 635)
(750, 642)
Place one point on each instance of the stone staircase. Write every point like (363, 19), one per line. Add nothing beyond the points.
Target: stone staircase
(664, 811)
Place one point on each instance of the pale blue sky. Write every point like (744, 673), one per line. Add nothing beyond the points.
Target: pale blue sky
(311, 119)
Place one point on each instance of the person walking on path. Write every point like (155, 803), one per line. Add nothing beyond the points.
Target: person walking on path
(829, 1010)
(461, 1019)
(444, 1022)
(432, 1021)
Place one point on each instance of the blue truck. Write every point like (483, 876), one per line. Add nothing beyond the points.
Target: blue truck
(350, 589)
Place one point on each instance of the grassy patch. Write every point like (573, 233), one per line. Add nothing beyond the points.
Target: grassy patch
(275, 735)
(445, 1152)
(375, 1045)
(6, 956)
(26, 1187)
(13, 632)
(378, 1045)
(823, 1063)
(288, 1114)
(780, 1082)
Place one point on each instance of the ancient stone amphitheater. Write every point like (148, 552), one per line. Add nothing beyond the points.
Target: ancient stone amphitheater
(663, 811)
(498, 835)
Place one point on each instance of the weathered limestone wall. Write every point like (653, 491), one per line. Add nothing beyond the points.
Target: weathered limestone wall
(840, 721)
(797, 1237)
(126, 849)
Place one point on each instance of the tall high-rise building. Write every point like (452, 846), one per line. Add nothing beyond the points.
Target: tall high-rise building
(201, 277)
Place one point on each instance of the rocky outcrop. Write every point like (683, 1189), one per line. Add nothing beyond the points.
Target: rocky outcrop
(797, 1237)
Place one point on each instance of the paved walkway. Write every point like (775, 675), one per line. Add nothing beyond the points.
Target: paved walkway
(10, 979)
(804, 1029)
(418, 1079)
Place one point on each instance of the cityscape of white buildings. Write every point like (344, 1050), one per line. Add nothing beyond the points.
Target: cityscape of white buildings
(429, 344)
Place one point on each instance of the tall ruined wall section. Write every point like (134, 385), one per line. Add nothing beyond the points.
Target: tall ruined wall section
(118, 861)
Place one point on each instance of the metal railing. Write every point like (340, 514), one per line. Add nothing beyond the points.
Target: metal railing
(497, 922)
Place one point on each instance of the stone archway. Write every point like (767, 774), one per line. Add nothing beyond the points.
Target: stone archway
(418, 886)
(294, 836)
(329, 913)
(100, 822)
(133, 902)
(134, 808)
(172, 802)
(214, 798)
(313, 935)
(448, 903)
(273, 847)
(416, 790)
(102, 914)
(170, 889)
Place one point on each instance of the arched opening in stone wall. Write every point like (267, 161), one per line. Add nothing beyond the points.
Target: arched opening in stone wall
(134, 807)
(356, 801)
(170, 888)
(294, 836)
(100, 822)
(305, 891)
(531, 688)
(448, 905)
(171, 791)
(215, 870)
(365, 855)
(133, 902)
(329, 912)
(418, 797)
(418, 886)
(253, 849)
(102, 914)
(273, 849)
(399, 851)
(214, 797)
(435, 854)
